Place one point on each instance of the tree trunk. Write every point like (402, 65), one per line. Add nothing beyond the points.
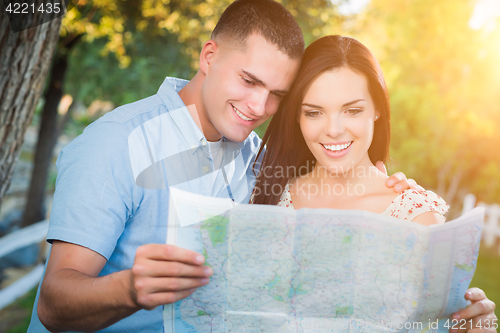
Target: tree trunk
(24, 63)
(50, 127)
(47, 138)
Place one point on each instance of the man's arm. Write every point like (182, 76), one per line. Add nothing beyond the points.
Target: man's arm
(73, 297)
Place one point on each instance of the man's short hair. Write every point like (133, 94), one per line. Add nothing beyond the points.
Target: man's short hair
(265, 17)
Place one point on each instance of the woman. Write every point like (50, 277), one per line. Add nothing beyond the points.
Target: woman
(336, 125)
(323, 142)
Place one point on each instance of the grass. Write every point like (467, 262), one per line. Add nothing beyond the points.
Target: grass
(488, 273)
(16, 317)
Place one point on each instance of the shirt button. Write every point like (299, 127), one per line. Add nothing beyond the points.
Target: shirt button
(193, 146)
(203, 143)
(205, 169)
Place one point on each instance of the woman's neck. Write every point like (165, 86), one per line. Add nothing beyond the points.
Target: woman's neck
(359, 187)
(363, 173)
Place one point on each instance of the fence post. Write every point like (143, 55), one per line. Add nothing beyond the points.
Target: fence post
(469, 203)
(32, 234)
(491, 226)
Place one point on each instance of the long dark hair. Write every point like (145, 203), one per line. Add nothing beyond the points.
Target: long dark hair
(287, 155)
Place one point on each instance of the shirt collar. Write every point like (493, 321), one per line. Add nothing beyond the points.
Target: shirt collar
(169, 95)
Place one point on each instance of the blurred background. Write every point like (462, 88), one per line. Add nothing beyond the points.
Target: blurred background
(440, 59)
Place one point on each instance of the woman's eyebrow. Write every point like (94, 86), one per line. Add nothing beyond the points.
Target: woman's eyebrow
(350, 103)
(312, 106)
(320, 107)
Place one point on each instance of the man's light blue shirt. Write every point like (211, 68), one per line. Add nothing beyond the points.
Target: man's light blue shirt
(112, 187)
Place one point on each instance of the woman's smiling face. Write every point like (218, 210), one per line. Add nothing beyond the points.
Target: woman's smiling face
(337, 118)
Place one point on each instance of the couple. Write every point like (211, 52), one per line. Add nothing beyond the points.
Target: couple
(108, 263)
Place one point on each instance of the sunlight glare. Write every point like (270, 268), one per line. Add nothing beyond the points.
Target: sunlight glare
(485, 13)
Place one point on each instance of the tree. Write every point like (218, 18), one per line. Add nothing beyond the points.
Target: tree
(25, 58)
(441, 75)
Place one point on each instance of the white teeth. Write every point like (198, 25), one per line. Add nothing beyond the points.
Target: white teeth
(337, 147)
(241, 115)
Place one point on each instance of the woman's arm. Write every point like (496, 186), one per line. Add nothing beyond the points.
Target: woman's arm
(429, 218)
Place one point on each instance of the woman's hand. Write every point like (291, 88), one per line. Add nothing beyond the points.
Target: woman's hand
(479, 315)
(398, 180)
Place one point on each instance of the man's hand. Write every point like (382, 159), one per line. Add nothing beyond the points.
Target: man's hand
(73, 297)
(479, 316)
(398, 180)
(164, 274)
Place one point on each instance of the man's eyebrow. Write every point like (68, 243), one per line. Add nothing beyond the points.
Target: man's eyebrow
(261, 83)
(253, 77)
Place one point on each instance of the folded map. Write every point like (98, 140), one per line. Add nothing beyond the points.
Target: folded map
(319, 270)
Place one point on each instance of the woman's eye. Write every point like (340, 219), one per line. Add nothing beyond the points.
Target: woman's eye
(354, 111)
(312, 114)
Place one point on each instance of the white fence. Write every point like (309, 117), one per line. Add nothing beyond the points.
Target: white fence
(16, 240)
(491, 226)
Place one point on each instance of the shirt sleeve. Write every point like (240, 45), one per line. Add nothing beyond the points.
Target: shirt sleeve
(94, 189)
(412, 203)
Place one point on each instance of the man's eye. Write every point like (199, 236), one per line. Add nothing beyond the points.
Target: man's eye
(354, 111)
(279, 96)
(247, 81)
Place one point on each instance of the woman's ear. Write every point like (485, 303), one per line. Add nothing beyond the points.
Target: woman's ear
(207, 54)
(377, 115)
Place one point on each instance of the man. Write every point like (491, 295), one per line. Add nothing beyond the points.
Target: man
(108, 264)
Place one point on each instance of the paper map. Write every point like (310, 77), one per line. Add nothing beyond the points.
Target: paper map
(319, 270)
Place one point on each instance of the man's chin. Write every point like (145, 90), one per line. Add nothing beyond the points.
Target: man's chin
(237, 137)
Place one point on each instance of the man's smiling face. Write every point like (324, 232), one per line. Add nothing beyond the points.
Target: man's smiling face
(243, 87)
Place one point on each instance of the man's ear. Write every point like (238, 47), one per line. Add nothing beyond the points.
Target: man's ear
(207, 54)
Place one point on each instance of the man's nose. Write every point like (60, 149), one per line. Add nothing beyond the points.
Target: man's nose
(257, 103)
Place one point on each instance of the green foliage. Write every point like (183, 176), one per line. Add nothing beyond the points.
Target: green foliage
(51, 181)
(315, 17)
(92, 76)
(262, 128)
(440, 74)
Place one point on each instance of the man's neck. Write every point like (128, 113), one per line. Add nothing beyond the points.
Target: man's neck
(191, 96)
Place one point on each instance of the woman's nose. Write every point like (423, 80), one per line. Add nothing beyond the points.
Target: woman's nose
(335, 126)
